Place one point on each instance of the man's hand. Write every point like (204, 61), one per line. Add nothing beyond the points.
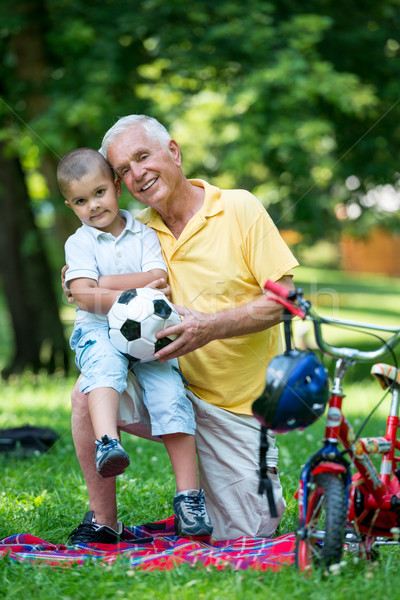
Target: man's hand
(193, 332)
(66, 291)
(198, 329)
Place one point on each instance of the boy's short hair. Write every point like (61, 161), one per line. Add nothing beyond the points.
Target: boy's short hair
(78, 163)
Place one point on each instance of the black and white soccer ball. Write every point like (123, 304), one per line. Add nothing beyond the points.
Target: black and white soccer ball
(135, 318)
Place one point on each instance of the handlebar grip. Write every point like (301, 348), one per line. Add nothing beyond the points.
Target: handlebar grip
(277, 289)
(284, 297)
(297, 312)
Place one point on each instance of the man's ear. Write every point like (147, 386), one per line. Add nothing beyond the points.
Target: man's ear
(174, 149)
(117, 183)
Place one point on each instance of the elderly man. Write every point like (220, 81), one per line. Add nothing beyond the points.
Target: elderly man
(219, 246)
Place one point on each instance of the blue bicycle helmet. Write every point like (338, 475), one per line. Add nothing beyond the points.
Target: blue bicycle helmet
(295, 394)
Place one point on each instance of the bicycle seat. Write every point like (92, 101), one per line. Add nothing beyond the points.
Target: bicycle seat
(386, 374)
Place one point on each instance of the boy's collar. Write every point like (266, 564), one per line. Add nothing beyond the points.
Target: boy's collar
(130, 225)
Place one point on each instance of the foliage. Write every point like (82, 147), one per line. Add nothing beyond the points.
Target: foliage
(285, 99)
(297, 102)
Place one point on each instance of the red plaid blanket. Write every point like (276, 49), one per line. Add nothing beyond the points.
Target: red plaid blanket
(165, 551)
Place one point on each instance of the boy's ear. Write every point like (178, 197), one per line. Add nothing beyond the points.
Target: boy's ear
(117, 183)
(67, 204)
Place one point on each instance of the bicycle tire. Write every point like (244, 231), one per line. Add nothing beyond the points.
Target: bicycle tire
(320, 541)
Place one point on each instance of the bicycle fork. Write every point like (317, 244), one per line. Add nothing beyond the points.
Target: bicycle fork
(328, 459)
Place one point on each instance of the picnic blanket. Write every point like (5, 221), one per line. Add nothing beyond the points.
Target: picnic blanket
(164, 551)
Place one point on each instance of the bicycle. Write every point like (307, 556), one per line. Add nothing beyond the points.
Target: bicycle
(338, 507)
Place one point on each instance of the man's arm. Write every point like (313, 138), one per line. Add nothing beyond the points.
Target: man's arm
(198, 329)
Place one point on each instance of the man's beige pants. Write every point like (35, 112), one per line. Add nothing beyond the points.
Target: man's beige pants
(228, 458)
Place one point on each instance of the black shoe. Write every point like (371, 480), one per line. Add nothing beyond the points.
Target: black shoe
(89, 532)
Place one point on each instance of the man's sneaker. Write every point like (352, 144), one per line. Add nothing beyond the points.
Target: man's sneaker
(89, 532)
(111, 458)
(191, 516)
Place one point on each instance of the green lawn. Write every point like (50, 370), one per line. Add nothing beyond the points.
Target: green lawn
(45, 494)
(370, 297)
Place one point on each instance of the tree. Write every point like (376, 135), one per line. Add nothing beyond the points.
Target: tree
(283, 98)
(289, 100)
(39, 338)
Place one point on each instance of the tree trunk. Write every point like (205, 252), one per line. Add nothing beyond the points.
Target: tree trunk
(27, 279)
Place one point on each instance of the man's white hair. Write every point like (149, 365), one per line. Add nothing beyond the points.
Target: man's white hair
(153, 127)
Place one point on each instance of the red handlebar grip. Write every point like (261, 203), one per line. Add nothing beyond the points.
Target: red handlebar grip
(277, 289)
(291, 308)
(283, 298)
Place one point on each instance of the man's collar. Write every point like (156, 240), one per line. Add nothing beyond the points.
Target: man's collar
(212, 198)
(211, 206)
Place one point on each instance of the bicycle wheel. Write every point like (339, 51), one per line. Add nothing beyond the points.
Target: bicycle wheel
(320, 541)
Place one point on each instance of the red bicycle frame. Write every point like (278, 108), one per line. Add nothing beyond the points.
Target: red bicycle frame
(372, 498)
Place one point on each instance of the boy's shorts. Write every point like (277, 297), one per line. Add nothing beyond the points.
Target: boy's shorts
(102, 365)
(97, 359)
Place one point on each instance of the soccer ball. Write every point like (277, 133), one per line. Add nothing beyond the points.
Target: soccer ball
(135, 318)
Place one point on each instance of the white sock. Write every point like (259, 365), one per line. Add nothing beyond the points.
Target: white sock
(191, 492)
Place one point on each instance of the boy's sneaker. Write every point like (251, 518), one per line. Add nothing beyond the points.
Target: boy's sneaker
(89, 532)
(191, 516)
(111, 458)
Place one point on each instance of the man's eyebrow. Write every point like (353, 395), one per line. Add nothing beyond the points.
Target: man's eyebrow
(134, 155)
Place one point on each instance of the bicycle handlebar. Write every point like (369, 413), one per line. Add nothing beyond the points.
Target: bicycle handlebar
(278, 289)
(294, 302)
(284, 297)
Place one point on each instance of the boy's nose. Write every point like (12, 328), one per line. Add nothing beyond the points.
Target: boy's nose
(94, 203)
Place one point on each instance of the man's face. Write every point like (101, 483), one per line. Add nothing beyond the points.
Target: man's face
(149, 169)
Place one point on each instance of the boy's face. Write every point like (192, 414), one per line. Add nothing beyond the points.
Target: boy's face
(94, 200)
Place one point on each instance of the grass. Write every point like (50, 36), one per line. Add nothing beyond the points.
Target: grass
(45, 495)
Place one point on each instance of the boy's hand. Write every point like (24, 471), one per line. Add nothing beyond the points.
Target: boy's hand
(66, 291)
(162, 285)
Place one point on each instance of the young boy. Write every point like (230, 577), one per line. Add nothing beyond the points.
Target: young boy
(112, 252)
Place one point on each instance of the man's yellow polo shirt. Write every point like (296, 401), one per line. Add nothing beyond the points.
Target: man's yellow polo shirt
(221, 260)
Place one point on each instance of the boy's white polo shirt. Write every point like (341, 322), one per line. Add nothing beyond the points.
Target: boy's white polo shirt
(91, 253)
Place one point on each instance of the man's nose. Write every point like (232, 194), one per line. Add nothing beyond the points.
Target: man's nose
(137, 169)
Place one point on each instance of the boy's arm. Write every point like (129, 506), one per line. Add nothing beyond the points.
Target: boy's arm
(90, 297)
(95, 297)
(126, 281)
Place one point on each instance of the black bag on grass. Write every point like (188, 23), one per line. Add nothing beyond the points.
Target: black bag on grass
(27, 439)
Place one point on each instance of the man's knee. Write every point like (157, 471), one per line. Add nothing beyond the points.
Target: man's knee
(78, 399)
